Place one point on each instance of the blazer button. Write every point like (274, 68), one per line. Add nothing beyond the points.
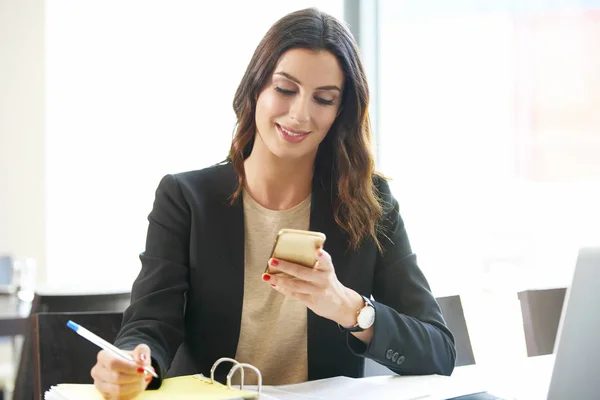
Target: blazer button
(389, 354)
(395, 357)
(400, 360)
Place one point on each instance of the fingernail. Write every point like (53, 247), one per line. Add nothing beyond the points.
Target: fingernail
(273, 285)
(274, 262)
(319, 252)
(140, 370)
(266, 277)
(148, 379)
(143, 357)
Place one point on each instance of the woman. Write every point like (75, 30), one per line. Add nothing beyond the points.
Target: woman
(300, 158)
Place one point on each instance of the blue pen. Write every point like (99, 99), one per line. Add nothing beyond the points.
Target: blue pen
(103, 344)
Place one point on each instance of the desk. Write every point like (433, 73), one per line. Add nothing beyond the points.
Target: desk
(528, 379)
(13, 315)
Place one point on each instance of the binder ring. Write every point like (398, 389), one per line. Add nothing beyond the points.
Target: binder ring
(241, 366)
(219, 361)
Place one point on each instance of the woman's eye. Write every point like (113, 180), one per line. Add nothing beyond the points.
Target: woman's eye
(285, 92)
(324, 102)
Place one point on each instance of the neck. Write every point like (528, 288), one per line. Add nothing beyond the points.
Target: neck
(276, 183)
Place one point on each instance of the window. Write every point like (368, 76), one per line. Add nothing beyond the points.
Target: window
(136, 90)
(489, 127)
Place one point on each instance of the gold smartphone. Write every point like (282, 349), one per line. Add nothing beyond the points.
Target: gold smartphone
(296, 246)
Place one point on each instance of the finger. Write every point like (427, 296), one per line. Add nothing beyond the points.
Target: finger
(288, 285)
(305, 298)
(119, 378)
(142, 354)
(113, 362)
(299, 271)
(324, 262)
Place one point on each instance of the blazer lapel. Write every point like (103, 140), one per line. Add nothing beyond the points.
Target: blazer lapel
(321, 332)
(228, 277)
(321, 220)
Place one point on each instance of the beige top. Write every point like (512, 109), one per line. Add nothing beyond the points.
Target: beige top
(273, 330)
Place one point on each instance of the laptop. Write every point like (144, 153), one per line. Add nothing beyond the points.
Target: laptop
(575, 374)
(577, 347)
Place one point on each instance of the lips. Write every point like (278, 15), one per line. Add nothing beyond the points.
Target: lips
(291, 135)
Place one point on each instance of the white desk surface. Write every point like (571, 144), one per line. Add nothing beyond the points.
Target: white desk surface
(525, 380)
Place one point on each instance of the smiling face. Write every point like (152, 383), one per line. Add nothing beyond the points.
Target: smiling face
(298, 105)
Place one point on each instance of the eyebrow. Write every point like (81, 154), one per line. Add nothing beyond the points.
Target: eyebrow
(290, 77)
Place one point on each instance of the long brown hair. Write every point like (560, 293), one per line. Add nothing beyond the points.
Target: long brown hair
(344, 159)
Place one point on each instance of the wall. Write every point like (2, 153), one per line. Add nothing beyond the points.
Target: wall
(135, 90)
(22, 153)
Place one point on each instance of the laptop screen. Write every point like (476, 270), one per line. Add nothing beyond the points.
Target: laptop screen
(577, 363)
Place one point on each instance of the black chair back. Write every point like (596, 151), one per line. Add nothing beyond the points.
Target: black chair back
(112, 302)
(60, 354)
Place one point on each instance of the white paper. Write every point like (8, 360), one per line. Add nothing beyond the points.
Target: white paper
(54, 394)
(430, 387)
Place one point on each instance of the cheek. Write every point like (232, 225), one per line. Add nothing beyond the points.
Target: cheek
(269, 106)
(324, 118)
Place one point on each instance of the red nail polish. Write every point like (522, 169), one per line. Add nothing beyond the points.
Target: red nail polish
(140, 370)
(274, 262)
(148, 379)
(273, 285)
(266, 277)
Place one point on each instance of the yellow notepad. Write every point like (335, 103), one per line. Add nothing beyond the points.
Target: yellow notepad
(196, 387)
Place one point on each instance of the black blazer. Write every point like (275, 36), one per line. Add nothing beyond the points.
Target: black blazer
(189, 291)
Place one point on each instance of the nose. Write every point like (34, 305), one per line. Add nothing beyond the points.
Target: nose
(299, 110)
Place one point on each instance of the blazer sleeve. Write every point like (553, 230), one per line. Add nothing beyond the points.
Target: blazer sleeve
(410, 336)
(156, 313)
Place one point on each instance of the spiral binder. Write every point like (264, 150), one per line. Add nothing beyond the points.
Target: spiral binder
(237, 366)
(178, 387)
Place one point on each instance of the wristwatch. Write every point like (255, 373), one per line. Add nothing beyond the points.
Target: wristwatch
(365, 317)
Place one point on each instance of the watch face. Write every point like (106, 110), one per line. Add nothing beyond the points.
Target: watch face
(366, 317)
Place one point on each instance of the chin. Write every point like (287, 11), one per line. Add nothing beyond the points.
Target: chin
(288, 155)
(291, 154)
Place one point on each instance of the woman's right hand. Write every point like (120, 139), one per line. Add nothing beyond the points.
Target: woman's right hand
(117, 378)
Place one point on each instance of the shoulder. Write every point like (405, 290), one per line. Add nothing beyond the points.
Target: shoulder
(384, 192)
(215, 175)
(381, 183)
(391, 223)
(218, 179)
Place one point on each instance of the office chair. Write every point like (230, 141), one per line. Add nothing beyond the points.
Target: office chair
(61, 355)
(113, 302)
(541, 310)
(453, 313)
(454, 316)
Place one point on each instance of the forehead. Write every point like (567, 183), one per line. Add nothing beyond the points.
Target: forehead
(311, 68)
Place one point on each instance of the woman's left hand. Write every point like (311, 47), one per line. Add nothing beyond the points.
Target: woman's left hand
(318, 288)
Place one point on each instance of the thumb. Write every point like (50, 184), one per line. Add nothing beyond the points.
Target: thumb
(141, 354)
